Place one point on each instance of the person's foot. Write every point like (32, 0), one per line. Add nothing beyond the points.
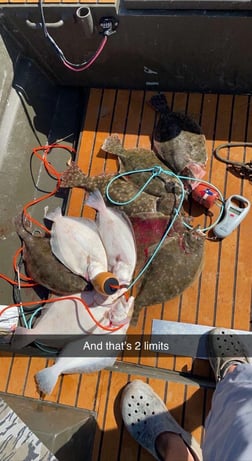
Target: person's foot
(149, 422)
(225, 351)
(171, 447)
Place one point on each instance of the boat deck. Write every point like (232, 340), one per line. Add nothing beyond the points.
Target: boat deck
(221, 296)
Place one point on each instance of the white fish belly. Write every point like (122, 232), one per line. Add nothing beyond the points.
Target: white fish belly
(76, 244)
(70, 317)
(118, 240)
(70, 365)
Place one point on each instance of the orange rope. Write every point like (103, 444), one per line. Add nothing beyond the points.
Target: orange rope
(51, 171)
(15, 265)
(57, 175)
(73, 298)
(22, 285)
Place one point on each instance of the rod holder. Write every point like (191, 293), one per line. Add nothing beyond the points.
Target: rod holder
(84, 17)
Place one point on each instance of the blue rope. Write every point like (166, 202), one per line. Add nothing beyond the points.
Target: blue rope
(32, 316)
(157, 170)
(38, 344)
(29, 325)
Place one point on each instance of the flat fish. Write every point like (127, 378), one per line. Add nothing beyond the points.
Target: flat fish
(120, 190)
(175, 267)
(138, 159)
(179, 141)
(66, 317)
(148, 229)
(77, 244)
(43, 267)
(117, 236)
(61, 320)
(68, 362)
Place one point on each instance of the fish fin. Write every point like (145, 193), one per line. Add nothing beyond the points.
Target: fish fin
(124, 217)
(46, 379)
(113, 145)
(159, 103)
(130, 306)
(149, 215)
(128, 221)
(73, 177)
(85, 221)
(52, 215)
(95, 200)
(19, 225)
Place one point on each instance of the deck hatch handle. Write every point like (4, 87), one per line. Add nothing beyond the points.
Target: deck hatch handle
(38, 25)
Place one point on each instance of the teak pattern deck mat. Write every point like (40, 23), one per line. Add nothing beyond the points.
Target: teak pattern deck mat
(221, 296)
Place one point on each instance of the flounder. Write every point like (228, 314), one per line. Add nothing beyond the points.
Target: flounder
(67, 317)
(140, 159)
(77, 244)
(120, 190)
(75, 359)
(149, 229)
(117, 236)
(43, 267)
(179, 141)
(174, 268)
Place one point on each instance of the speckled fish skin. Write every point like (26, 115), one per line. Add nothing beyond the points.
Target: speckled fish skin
(175, 267)
(120, 190)
(178, 139)
(43, 267)
(137, 159)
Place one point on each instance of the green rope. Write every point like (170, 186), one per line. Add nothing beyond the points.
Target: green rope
(155, 171)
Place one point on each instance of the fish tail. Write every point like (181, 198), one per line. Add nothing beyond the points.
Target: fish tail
(73, 177)
(52, 215)
(23, 337)
(113, 145)
(46, 379)
(159, 103)
(95, 200)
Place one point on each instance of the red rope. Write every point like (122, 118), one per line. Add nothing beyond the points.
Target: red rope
(27, 281)
(51, 300)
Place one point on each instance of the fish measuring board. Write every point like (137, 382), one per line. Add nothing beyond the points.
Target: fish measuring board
(187, 339)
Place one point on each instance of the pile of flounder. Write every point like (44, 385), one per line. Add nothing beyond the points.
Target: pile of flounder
(180, 148)
(119, 242)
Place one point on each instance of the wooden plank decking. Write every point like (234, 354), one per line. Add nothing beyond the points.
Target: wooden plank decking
(221, 296)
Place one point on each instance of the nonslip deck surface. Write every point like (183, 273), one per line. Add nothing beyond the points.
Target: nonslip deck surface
(221, 296)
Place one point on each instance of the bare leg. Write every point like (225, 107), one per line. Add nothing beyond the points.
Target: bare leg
(150, 423)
